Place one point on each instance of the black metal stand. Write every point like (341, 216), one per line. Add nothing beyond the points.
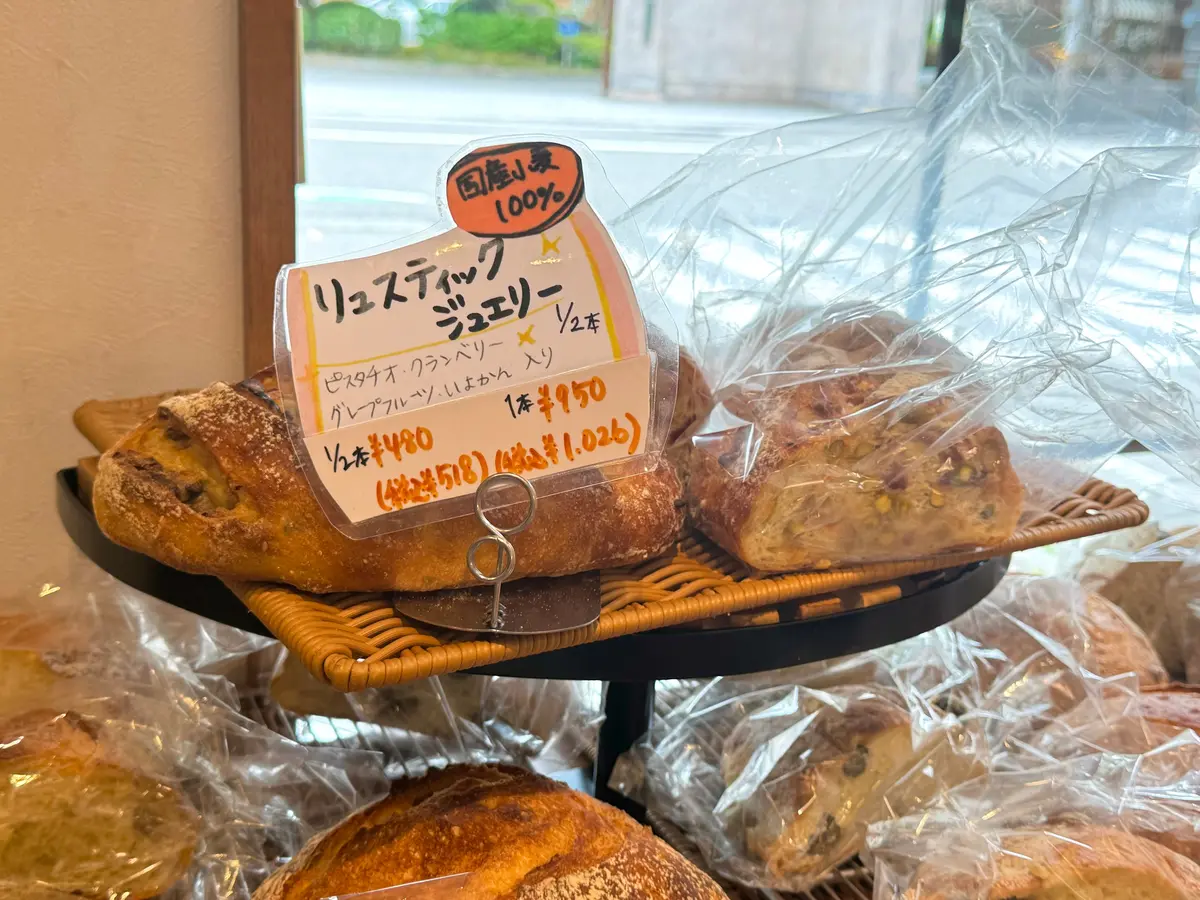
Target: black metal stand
(630, 664)
(952, 32)
(628, 711)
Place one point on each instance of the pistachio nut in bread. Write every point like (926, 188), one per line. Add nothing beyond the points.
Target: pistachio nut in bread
(842, 455)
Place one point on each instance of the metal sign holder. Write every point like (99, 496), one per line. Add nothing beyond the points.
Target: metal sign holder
(527, 606)
(506, 554)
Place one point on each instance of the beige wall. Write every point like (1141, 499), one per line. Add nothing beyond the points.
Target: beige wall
(120, 266)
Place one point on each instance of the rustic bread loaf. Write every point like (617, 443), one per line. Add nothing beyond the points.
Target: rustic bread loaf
(1071, 862)
(25, 679)
(1145, 590)
(1173, 707)
(847, 459)
(519, 835)
(84, 813)
(693, 398)
(210, 485)
(86, 473)
(810, 810)
(1148, 720)
(33, 650)
(1019, 619)
(103, 422)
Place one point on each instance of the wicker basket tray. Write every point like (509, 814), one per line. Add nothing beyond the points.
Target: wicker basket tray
(357, 641)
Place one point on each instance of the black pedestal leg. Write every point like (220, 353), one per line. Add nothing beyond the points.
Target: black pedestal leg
(628, 709)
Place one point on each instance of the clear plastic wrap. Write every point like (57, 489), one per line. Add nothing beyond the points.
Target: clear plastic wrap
(1150, 571)
(128, 770)
(1040, 647)
(1101, 825)
(800, 214)
(923, 328)
(777, 776)
(550, 726)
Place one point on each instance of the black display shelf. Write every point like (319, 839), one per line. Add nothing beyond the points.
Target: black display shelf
(200, 594)
(632, 663)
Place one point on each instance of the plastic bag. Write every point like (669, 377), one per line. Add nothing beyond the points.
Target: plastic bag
(1183, 594)
(921, 335)
(1040, 647)
(800, 214)
(549, 726)
(856, 434)
(1142, 569)
(1103, 822)
(777, 776)
(127, 772)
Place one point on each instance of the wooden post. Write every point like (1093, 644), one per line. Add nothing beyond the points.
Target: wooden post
(269, 66)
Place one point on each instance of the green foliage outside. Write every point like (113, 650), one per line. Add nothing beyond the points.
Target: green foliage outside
(489, 32)
(503, 33)
(587, 50)
(343, 27)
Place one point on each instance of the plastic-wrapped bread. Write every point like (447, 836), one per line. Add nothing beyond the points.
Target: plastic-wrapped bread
(1022, 625)
(1064, 863)
(210, 485)
(812, 779)
(693, 398)
(1133, 725)
(516, 834)
(836, 459)
(416, 706)
(805, 816)
(1154, 592)
(85, 813)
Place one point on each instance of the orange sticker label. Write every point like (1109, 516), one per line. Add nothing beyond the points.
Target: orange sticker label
(514, 190)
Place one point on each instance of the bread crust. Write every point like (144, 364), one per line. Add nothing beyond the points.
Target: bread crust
(210, 485)
(1102, 637)
(519, 835)
(1173, 706)
(1072, 861)
(693, 398)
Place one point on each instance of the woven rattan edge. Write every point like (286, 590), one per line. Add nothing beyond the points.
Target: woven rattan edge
(339, 640)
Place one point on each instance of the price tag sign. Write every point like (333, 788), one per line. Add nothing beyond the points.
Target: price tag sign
(509, 341)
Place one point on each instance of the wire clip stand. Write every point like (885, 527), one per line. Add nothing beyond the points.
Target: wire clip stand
(506, 554)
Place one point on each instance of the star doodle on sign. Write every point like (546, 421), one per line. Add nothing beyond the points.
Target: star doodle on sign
(525, 337)
(548, 245)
